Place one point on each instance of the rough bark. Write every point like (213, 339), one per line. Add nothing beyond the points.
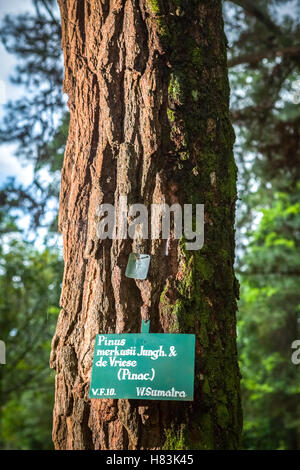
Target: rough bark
(149, 98)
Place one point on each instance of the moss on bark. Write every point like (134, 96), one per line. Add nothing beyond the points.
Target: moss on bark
(204, 295)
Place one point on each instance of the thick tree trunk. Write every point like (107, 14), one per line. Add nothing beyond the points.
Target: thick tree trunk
(149, 98)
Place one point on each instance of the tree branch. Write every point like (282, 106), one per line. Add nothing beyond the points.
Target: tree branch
(250, 7)
(267, 54)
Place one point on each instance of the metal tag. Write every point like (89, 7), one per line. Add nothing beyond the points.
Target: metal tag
(137, 266)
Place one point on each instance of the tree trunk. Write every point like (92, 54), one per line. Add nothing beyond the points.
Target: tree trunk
(149, 101)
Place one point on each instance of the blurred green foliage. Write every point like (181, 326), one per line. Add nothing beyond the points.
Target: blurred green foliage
(29, 291)
(269, 323)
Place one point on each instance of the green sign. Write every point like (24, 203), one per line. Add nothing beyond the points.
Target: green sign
(145, 366)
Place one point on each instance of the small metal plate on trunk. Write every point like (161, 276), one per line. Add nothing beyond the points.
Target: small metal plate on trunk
(137, 266)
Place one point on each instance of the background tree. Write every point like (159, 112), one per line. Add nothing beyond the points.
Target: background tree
(38, 121)
(30, 278)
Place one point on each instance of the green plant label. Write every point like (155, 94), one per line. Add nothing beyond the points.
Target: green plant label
(145, 366)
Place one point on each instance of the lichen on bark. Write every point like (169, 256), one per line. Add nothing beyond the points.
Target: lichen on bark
(149, 100)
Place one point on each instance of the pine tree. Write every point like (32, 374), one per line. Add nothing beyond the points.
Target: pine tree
(148, 97)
